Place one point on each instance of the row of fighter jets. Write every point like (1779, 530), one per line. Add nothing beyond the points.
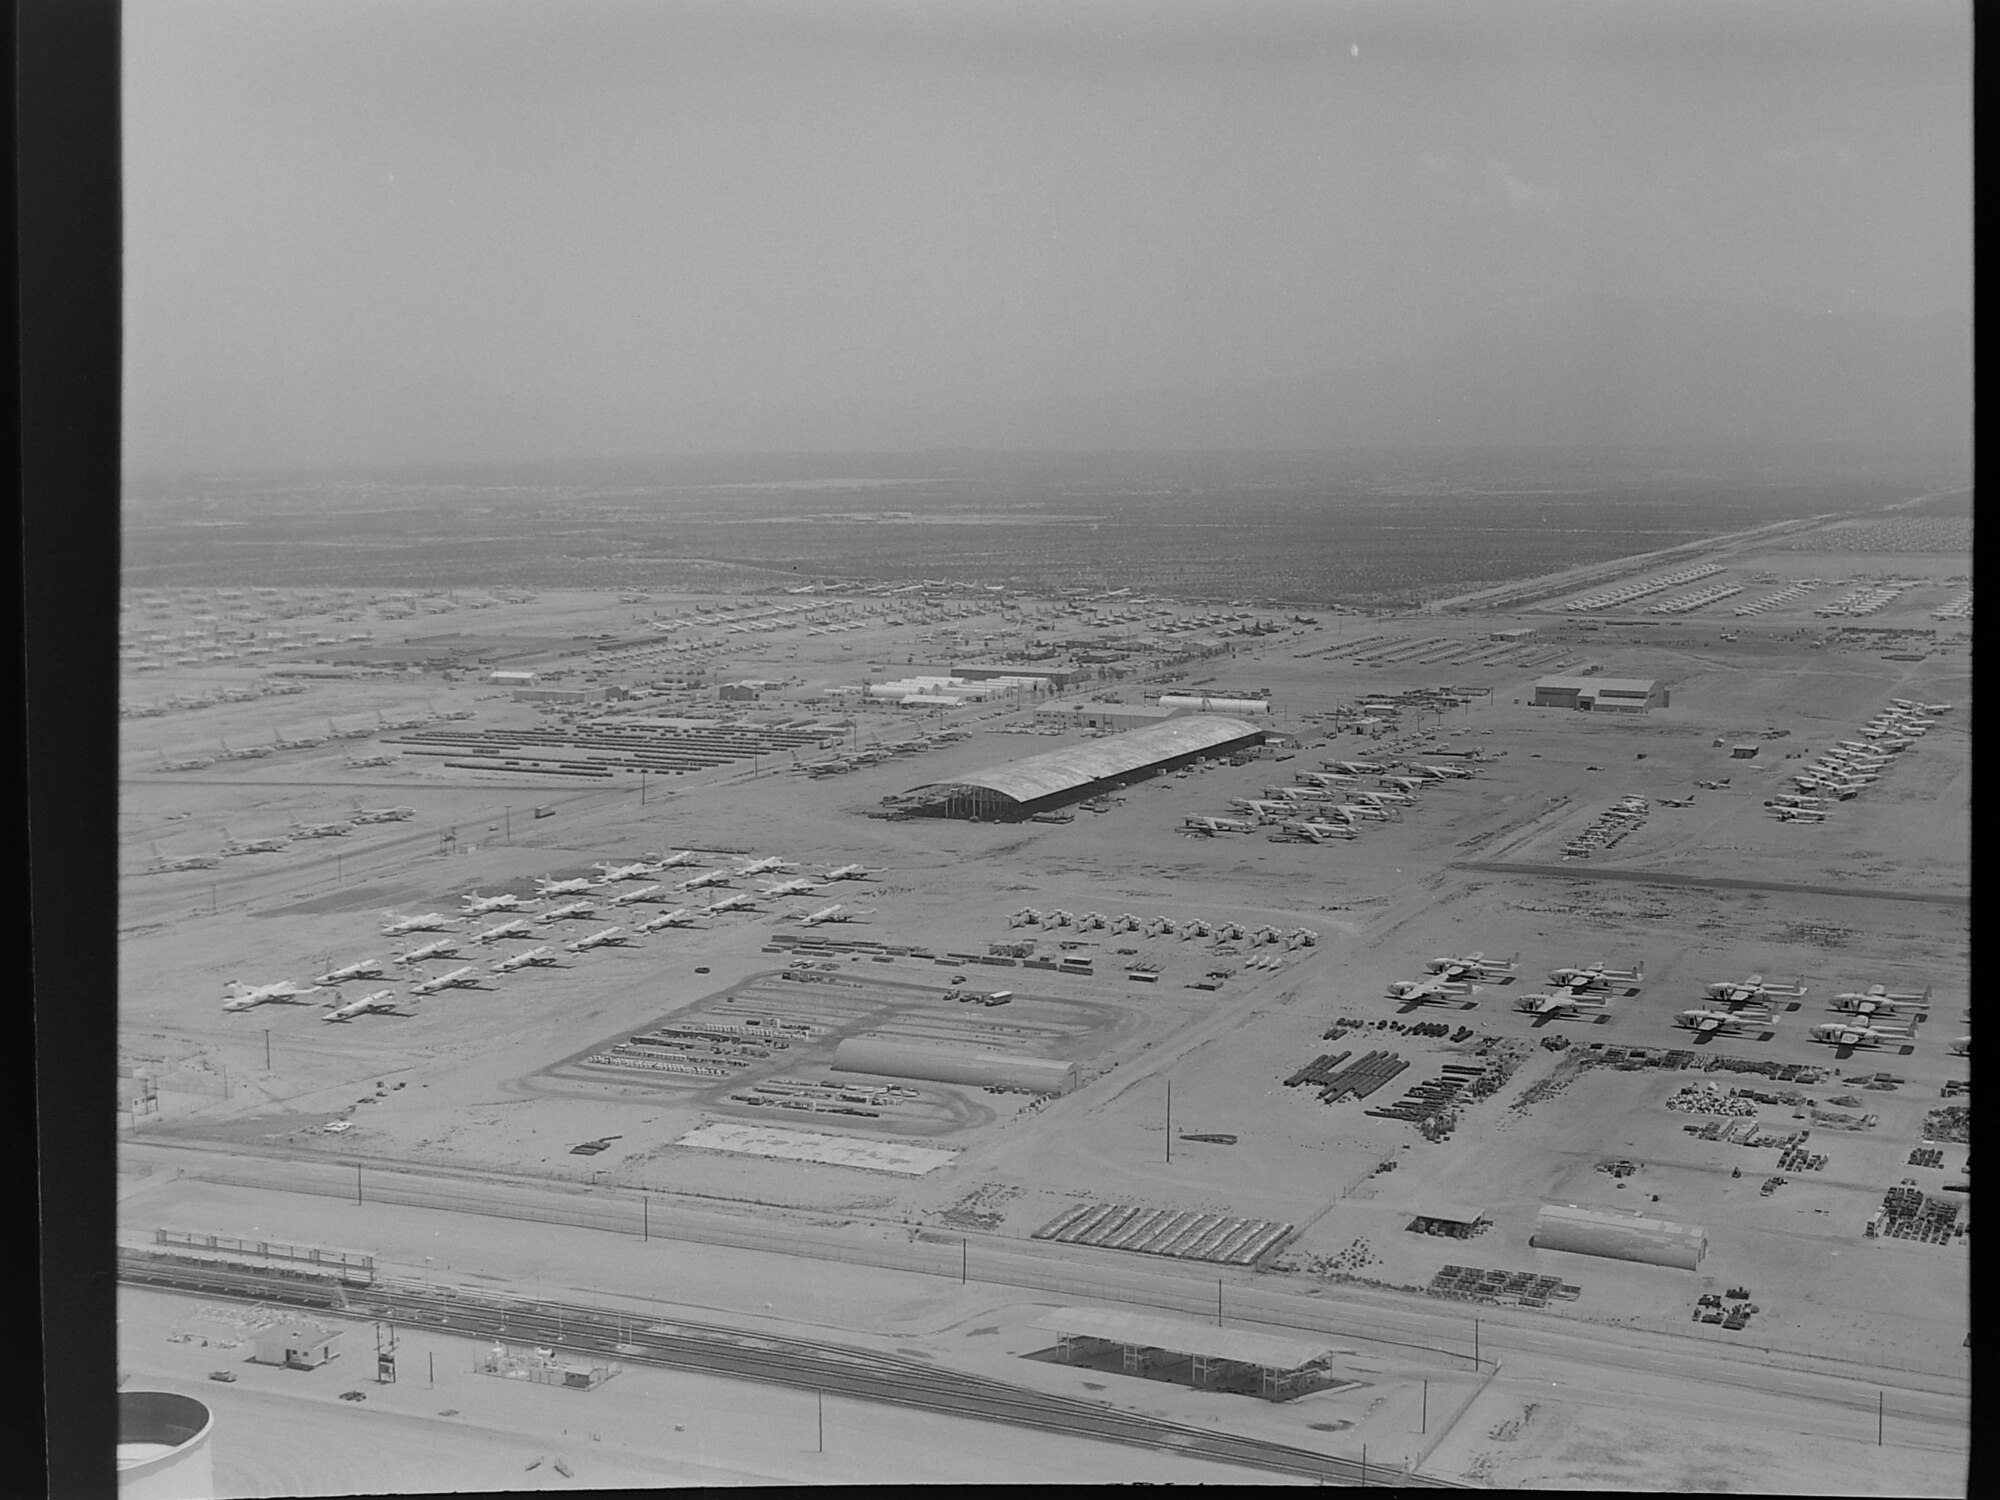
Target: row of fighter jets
(243, 997)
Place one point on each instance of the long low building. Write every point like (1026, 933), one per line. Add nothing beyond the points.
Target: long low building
(886, 1057)
(1041, 783)
(1603, 694)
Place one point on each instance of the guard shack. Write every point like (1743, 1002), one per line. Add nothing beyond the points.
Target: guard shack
(1265, 1364)
(296, 1346)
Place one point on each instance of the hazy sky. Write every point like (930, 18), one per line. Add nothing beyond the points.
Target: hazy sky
(662, 207)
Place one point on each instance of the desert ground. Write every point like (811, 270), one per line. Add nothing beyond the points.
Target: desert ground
(239, 1122)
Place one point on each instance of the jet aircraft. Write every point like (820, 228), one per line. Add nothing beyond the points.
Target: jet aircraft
(834, 913)
(680, 916)
(320, 830)
(567, 913)
(233, 845)
(382, 814)
(764, 866)
(847, 872)
(510, 929)
(790, 888)
(706, 878)
(741, 901)
(163, 864)
(545, 886)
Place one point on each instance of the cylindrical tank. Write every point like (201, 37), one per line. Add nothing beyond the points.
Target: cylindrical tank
(163, 1447)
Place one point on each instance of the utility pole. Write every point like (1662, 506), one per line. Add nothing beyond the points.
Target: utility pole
(1879, 1395)
(821, 1398)
(1426, 1427)
(267, 1049)
(357, 1182)
(964, 1257)
(1170, 1122)
(645, 1219)
(1218, 1302)
(1475, 1343)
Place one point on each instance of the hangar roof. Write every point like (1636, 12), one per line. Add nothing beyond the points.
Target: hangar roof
(1079, 765)
(1267, 1350)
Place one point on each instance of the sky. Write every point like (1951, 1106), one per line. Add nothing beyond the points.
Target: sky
(372, 230)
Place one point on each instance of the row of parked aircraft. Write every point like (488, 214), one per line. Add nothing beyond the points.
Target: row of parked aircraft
(271, 844)
(475, 904)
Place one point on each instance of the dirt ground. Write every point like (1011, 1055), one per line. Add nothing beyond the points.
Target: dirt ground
(486, 1080)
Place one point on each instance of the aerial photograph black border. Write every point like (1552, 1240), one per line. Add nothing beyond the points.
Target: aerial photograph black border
(65, 56)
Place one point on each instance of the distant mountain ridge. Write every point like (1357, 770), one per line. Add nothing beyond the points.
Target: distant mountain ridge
(1590, 371)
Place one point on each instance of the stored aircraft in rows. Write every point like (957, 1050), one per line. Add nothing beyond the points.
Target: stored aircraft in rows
(598, 939)
(1754, 988)
(1706, 1023)
(515, 928)
(365, 968)
(429, 921)
(476, 905)
(525, 958)
(1846, 1037)
(163, 864)
(244, 996)
(465, 978)
(569, 912)
(442, 948)
(380, 1000)
(1879, 1000)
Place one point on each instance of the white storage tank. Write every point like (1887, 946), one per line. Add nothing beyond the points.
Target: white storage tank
(1619, 1236)
(163, 1447)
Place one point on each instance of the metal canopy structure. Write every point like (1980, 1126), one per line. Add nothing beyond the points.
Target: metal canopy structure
(1450, 1213)
(1282, 1364)
(1025, 786)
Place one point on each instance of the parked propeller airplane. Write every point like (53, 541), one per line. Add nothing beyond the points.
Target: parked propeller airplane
(790, 888)
(834, 913)
(741, 901)
(524, 958)
(598, 939)
(1561, 1005)
(1878, 1000)
(320, 830)
(1846, 1037)
(476, 905)
(233, 845)
(637, 893)
(466, 978)
(1594, 976)
(569, 912)
(680, 916)
(547, 887)
(1432, 991)
(382, 1000)
(365, 968)
(1472, 966)
(764, 866)
(1755, 987)
(1707, 1024)
(512, 929)
(382, 814)
(442, 948)
(244, 996)
(430, 921)
(706, 878)
(847, 872)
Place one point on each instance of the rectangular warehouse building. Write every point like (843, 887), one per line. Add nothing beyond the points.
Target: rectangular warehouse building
(1042, 783)
(888, 1058)
(1619, 1236)
(1604, 694)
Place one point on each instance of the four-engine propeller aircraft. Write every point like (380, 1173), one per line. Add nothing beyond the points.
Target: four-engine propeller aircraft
(834, 913)
(1707, 1024)
(442, 948)
(524, 958)
(706, 878)
(466, 978)
(637, 893)
(741, 901)
(569, 912)
(764, 866)
(515, 928)
(614, 873)
(476, 905)
(430, 921)
(545, 886)
(244, 996)
(382, 1000)
(598, 939)
(1846, 1037)
(680, 916)
(365, 968)
(847, 872)
(790, 888)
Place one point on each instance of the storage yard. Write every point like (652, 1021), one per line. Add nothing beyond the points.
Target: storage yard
(1139, 1006)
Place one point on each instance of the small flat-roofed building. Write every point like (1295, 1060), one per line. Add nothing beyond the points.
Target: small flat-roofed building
(1619, 1236)
(1605, 694)
(1281, 1367)
(1112, 716)
(1518, 633)
(1459, 1221)
(297, 1346)
(511, 679)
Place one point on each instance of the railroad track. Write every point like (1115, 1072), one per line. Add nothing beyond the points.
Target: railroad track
(808, 1364)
